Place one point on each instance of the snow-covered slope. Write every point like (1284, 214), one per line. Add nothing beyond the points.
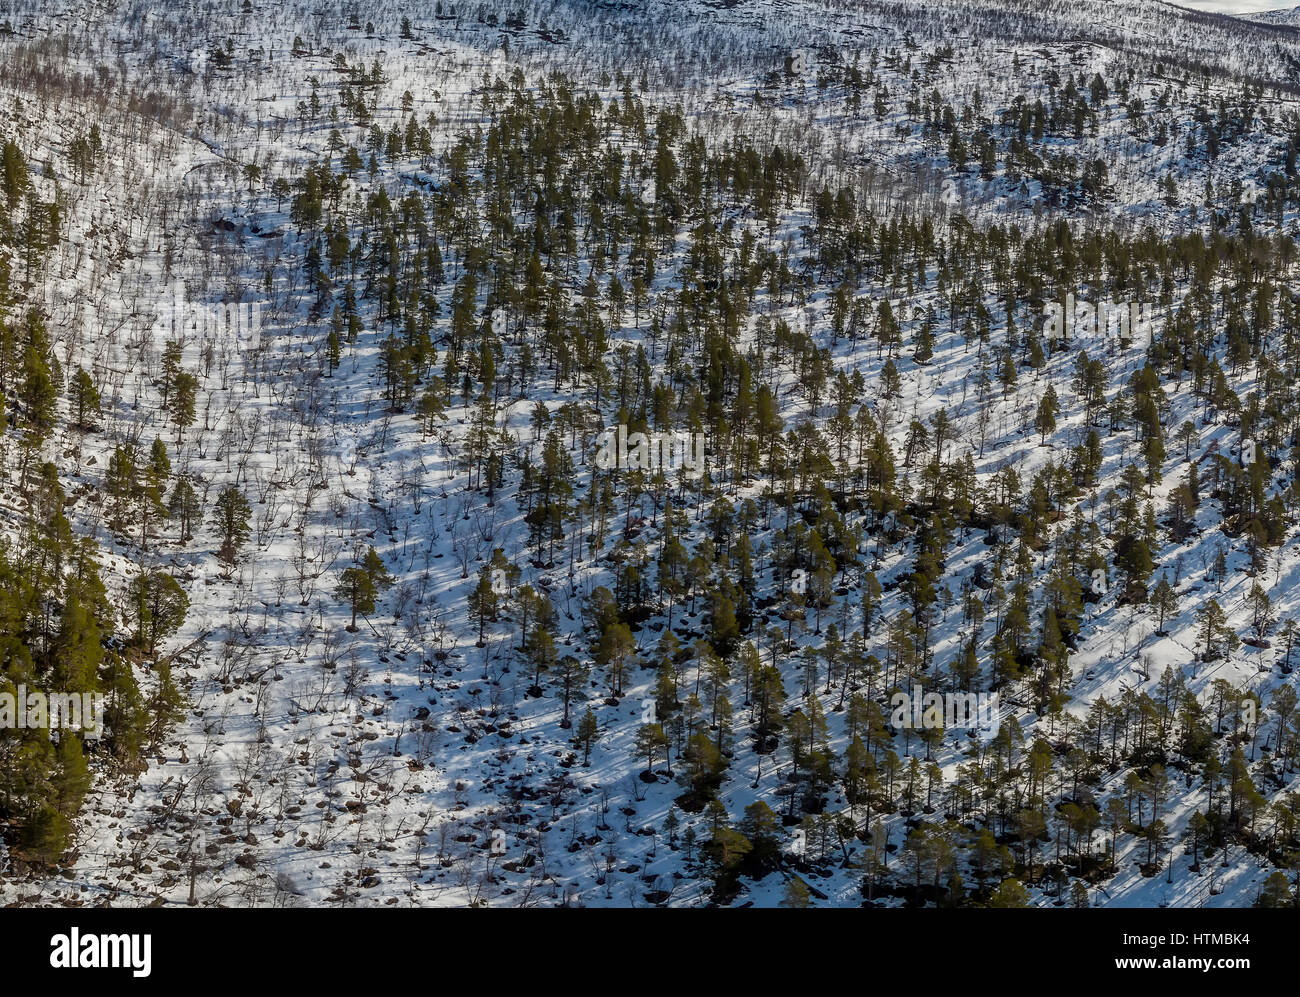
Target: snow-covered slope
(422, 757)
(1282, 16)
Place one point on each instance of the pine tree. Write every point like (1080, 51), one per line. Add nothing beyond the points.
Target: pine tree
(148, 487)
(1009, 893)
(650, 740)
(183, 401)
(84, 399)
(1212, 624)
(230, 516)
(1276, 892)
(571, 674)
(125, 716)
(355, 587)
(483, 603)
(1261, 611)
(360, 585)
(1045, 419)
(39, 395)
(614, 650)
(158, 607)
(588, 734)
(1164, 600)
(184, 506)
(724, 853)
(541, 650)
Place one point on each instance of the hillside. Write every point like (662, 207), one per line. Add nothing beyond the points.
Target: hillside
(384, 606)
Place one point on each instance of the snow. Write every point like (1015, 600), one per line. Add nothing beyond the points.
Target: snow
(304, 749)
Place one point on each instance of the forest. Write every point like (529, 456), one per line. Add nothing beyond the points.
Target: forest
(375, 622)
